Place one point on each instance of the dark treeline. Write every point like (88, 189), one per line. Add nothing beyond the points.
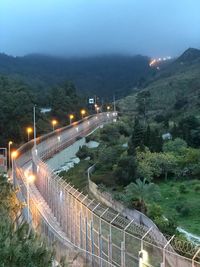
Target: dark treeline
(16, 108)
(103, 75)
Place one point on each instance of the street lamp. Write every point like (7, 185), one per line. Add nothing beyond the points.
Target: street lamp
(30, 179)
(71, 117)
(108, 108)
(54, 122)
(9, 144)
(29, 130)
(14, 155)
(97, 109)
(83, 112)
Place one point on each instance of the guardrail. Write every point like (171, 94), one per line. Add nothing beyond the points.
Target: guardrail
(70, 220)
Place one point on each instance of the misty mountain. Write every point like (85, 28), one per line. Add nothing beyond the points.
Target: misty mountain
(100, 75)
(175, 90)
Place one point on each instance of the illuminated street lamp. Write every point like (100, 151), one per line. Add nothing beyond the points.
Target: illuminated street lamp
(83, 112)
(54, 122)
(108, 108)
(97, 109)
(14, 155)
(29, 130)
(9, 144)
(71, 117)
(30, 179)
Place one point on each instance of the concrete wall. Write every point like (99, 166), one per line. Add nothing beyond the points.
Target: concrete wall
(106, 198)
(65, 155)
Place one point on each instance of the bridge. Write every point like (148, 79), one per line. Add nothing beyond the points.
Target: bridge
(79, 228)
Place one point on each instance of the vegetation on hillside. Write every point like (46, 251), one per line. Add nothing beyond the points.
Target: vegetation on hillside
(19, 245)
(174, 91)
(102, 75)
(16, 108)
(134, 163)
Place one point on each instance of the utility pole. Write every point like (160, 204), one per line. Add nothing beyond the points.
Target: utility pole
(34, 127)
(114, 104)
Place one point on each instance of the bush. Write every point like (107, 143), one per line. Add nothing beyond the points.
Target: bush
(183, 209)
(154, 211)
(167, 226)
(183, 189)
(197, 188)
(125, 171)
(85, 152)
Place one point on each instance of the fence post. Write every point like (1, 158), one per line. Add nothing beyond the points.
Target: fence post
(86, 237)
(81, 231)
(110, 248)
(141, 256)
(92, 239)
(122, 254)
(100, 247)
(164, 251)
(195, 255)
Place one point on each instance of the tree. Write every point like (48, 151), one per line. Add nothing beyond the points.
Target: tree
(153, 164)
(142, 101)
(13, 115)
(176, 146)
(189, 130)
(137, 138)
(143, 191)
(126, 170)
(64, 100)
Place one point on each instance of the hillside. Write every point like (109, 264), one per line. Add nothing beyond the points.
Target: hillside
(175, 90)
(102, 75)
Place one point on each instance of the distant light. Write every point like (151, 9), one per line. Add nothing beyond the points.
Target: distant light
(59, 138)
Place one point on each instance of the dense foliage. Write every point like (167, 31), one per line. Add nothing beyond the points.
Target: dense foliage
(16, 108)
(103, 75)
(19, 245)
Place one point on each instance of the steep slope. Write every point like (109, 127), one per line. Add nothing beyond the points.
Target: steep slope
(175, 90)
(101, 75)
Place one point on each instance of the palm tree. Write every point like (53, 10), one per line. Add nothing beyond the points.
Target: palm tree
(143, 191)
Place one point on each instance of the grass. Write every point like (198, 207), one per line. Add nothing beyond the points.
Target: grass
(78, 175)
(172, 200)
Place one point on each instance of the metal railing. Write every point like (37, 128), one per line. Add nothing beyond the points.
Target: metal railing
(74, 223)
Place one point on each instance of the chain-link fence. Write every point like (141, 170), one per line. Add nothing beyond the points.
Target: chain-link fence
(78, 225)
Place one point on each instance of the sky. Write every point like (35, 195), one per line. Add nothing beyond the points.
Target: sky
(89, 27)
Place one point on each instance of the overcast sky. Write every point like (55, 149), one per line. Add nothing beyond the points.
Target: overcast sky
(87, 27)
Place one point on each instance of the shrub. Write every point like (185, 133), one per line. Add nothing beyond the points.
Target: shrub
(84, 152)
(183, 209)
(182, 189)
(167, 226)
(197, 188)
(154, 210)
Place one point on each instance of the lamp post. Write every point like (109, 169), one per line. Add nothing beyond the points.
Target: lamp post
(83, 112)
(29, 130)
(34, 125)
(14, 154)
(9, 144)
(97, 109)
(71, 117)
(54, 122)
(30, 179)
